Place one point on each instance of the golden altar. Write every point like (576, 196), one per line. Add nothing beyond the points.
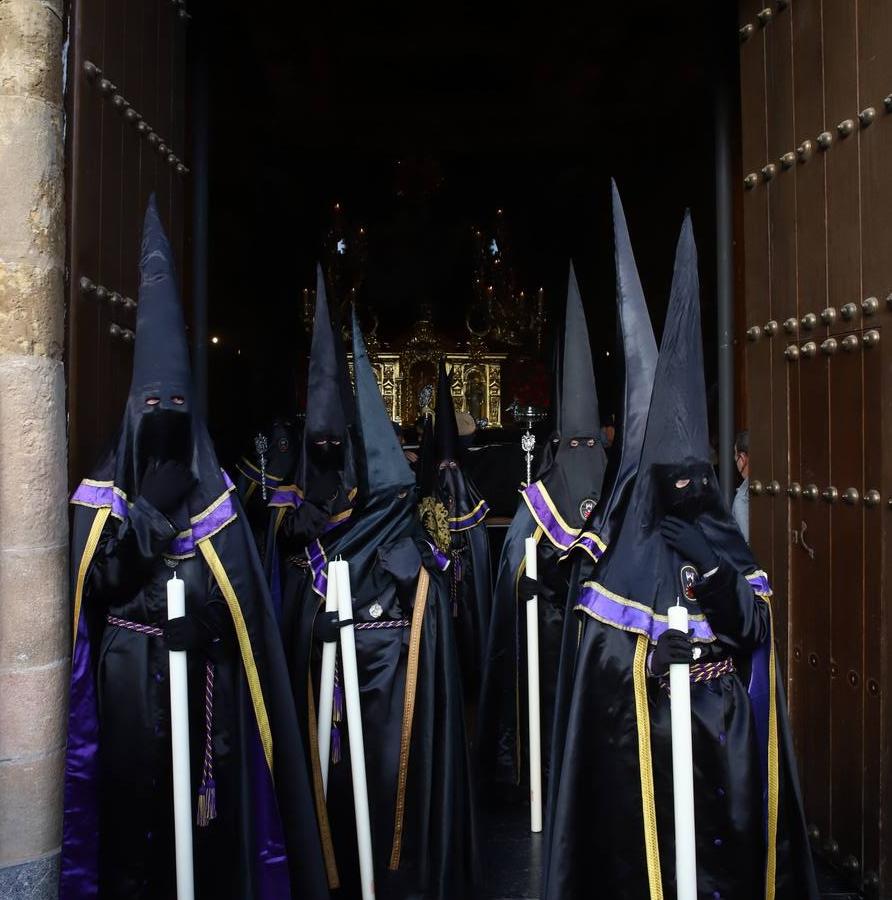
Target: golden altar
(404, 372)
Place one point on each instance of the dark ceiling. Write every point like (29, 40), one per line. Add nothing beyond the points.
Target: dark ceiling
(421, 123)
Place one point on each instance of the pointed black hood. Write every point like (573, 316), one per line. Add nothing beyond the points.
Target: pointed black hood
(579, 412)
(455, 489)
(639, 355)
(383, 466)
(326, 419)
(386, 508)
(348, 402)
(327, 441)
(639, 571)
(570, 476)
(446, 430)
(160, 419)
(161, 353)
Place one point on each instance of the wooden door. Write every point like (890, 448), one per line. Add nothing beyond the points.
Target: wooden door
(126, 139)
(816, 192)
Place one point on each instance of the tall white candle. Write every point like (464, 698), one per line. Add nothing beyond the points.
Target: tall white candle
(682, 768)
(179, 737)
(354, 726)
(326, 681)
(535, 728)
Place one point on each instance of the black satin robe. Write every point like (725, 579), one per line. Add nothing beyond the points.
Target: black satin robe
(128, 579)
(597, 826)
(438, 858)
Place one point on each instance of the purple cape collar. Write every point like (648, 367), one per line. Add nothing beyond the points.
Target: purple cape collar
(104, 494)
(552, 523)
(291, 496)
(627, 615)
(469, 520)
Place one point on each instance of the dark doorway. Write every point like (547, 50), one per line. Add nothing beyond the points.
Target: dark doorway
(419, 128)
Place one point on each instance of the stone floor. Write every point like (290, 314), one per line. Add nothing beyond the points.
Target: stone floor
(512, 856)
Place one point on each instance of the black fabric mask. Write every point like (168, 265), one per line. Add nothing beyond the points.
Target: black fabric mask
(164, 434)
(325, 456)
(574, 475)
(691, 500)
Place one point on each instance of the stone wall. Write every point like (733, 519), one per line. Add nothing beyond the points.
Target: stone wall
(34, 629)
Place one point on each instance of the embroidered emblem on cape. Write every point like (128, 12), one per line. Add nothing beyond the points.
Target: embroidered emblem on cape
(586, 507)
(688, 576)
(435, 520)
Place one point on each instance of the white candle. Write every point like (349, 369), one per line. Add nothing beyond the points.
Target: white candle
(682, 768)
(179, 737)
(535, 728)
(354, 726)
(326, 681)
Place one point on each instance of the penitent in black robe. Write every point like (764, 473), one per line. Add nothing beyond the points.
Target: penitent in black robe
(454, 514)
(410, 686)
(612, 807)
(638, 350)
(553, 511)
(118, 819)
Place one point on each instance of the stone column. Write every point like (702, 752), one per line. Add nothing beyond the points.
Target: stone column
(34, 618)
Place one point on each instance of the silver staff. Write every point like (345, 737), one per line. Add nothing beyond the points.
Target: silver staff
(527, 414)
(261, 446)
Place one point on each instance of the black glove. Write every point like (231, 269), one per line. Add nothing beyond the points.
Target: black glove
(189, 632)
(672, 647)
(323, 489)
(325, 626)
(690, 543)
(165, 485)
(527, 588)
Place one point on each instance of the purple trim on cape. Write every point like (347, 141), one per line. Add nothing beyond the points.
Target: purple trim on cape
(98, 496)
(760, 698)
(586, 542)
(270, 859)
(79, 874)
(475, 517)
(184, 544)
(634, 618)
(759, 690)
(316, 556)
(287, 496)
(758, 581)
(536, 497)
